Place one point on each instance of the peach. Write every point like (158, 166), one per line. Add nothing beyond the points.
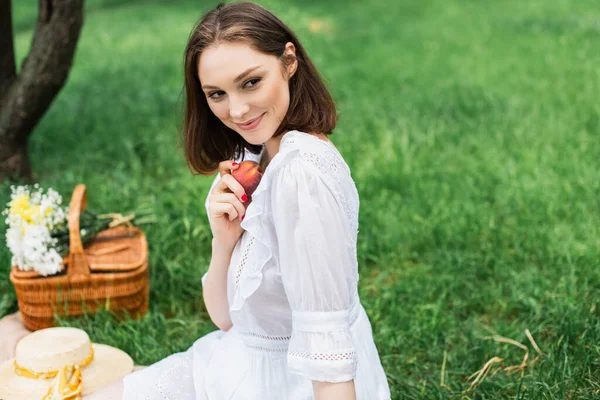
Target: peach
(248, 174)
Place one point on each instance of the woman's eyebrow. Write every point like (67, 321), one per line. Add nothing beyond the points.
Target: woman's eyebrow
(236, 80)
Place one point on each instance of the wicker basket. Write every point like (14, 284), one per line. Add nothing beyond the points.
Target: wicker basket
(111, 273)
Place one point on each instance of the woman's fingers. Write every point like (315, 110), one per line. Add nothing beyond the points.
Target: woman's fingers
(220, 209)
(226, 166)
(230, 185)
(229, 191)
(231, 198)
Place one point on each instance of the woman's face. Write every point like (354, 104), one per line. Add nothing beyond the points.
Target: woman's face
(237, 97)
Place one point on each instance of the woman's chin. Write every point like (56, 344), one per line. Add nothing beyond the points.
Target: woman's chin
(256, 138)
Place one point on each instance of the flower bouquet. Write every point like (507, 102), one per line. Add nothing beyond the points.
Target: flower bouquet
(38, 233)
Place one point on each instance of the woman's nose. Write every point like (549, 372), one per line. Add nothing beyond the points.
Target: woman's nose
(237, 109)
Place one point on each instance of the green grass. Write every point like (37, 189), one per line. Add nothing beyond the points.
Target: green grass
(472, 131)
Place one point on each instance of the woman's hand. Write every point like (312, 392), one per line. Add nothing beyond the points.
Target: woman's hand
(226, 207)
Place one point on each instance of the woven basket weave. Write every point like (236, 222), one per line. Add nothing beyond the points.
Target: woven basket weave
(111, 273)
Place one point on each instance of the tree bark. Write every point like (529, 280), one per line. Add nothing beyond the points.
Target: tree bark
(7, 51)
(25, 98)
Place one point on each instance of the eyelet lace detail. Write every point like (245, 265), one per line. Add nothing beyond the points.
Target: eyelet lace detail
(273, 344)
(243, 261)
(268, 349)
(177, 372)
(347, 355)
(266, 337)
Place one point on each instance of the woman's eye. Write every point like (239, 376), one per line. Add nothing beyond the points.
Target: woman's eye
(253, 80)
(212, 95)
(256, 80)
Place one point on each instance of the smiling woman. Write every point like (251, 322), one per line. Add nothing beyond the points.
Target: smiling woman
(282, 285)
(248, 81)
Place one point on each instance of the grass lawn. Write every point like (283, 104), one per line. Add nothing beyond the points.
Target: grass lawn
(472, 131)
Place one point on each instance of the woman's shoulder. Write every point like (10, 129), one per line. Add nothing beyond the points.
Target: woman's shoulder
(306, 158)
(306, 141)
(315, 154)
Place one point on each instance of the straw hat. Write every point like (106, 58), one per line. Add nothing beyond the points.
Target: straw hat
(60, 361)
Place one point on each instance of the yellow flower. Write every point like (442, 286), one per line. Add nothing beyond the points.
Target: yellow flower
(20, 206)
(18, 203)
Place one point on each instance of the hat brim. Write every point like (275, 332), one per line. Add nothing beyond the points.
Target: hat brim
(109, 364)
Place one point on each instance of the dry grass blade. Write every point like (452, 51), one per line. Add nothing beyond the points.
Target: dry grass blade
(535, 346)
(513, 368)
(510, 369)
(499, 338)
(442, 384)
(483, 372)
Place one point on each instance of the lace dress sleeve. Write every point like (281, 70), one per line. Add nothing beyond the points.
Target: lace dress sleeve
(315, 254)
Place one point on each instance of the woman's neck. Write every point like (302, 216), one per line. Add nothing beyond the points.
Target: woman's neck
(264, 160)
(271, 147)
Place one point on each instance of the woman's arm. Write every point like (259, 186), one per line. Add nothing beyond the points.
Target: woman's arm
(338, 391)
(214, 291)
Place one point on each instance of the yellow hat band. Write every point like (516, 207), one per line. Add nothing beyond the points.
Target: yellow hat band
(68, 381)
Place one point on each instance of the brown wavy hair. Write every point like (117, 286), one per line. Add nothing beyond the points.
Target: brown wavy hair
(206, 140)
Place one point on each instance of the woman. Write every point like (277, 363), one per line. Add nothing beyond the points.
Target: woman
(282, 282)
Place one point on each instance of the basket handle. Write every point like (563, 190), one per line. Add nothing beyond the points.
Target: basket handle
(78, 267)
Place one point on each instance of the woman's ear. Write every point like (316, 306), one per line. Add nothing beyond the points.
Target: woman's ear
(290, 51)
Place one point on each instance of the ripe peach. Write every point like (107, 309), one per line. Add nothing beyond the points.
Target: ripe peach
(248, 174)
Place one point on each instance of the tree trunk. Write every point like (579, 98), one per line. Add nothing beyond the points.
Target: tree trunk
(25, 98)
(16, 166)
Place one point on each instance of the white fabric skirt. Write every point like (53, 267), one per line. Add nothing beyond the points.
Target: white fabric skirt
(234, 365)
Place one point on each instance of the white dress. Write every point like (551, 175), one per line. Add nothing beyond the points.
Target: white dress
(292, 291)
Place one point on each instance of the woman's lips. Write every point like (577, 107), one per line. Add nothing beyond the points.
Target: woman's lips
(253, 124)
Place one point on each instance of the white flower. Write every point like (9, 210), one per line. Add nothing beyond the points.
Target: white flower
(31, 217)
